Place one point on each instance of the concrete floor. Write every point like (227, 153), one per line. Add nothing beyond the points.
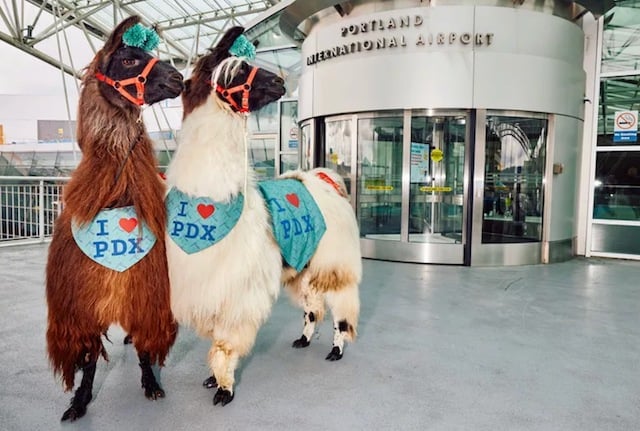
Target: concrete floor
(545, 347)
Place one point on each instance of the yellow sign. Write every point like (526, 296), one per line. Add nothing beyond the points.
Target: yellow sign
(437, 154)
(435, 189)
(385, 188)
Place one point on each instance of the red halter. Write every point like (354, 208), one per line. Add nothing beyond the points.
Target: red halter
(327, 179)
(139, 82)
(245, 88)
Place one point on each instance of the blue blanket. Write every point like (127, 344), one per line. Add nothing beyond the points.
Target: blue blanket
(298, 224)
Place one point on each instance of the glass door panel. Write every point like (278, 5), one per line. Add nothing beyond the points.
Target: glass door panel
(437, 179)
(338, 144)
(515, 153)
(379, 177)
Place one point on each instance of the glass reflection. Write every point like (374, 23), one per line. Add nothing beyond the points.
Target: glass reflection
(514, 169)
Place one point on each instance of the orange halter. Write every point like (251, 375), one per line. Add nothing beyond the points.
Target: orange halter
(139, 82)
(245, 88)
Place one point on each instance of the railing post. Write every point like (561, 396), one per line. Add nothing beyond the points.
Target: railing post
(41, 211)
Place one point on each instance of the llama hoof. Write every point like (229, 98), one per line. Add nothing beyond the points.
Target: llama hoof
(300, 342)
(210, 382)
(154, 394)
(223, 397)
(127, 339)
(73, 413)
(334, 354)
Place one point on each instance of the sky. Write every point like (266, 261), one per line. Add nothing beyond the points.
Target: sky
(32, 90)
(22, 73)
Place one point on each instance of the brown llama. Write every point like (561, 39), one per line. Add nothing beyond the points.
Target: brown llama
(107, 259)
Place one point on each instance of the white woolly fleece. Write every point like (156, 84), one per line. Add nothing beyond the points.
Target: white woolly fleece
(228, 288)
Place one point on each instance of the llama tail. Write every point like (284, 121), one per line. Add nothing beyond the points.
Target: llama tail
(69, 350)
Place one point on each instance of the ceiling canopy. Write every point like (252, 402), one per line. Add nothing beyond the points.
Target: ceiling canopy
(67, 33)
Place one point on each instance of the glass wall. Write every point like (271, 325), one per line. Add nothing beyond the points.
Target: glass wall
(273, 139)
(515, 153)
(616, 185)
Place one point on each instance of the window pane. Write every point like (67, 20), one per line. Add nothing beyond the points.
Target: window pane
(620, 42)
(616, 94)
(262, 157)
(617, 185)
(264, 121)
(288, 162)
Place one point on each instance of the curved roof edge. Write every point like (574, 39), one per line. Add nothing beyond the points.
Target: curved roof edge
(297, 11)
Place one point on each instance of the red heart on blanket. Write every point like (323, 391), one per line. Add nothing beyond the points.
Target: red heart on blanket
(128, 224)
(205, 210)
(293, 199)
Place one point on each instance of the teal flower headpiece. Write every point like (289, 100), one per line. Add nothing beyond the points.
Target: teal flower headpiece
(142, 37)
(242, 47)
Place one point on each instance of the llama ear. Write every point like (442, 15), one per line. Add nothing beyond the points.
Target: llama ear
(228, 39)
(115, 39)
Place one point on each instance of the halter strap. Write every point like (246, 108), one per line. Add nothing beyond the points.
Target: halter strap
(327, 179)
(139, 82)
(245, 88)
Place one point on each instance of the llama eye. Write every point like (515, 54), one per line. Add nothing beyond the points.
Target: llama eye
(129, 62)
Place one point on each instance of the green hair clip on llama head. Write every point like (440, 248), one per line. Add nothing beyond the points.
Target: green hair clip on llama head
(142, 37)
(242, 47)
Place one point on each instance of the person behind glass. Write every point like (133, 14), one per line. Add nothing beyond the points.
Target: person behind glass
(632, 181)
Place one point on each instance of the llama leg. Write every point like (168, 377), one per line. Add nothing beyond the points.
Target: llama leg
(345, 307)
(313, 306)
(339, 328)
(82, 396)
(223, 360)
(152, 389)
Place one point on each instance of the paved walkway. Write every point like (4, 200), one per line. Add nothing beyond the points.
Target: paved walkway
(543, 347)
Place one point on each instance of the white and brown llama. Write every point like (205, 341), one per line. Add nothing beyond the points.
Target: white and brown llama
(107, 259)
(225, 264)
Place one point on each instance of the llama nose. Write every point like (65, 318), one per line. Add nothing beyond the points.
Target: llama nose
(279, 81)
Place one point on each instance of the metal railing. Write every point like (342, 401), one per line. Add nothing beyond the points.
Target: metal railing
(28, 208)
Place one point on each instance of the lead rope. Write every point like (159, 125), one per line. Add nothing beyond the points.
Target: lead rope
(246, 158)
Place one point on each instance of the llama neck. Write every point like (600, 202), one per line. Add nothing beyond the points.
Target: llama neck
(104, 130)
(211, 157)
(110, 174)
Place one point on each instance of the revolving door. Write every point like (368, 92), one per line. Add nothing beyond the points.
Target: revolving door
(446, 187)
(407, 183)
